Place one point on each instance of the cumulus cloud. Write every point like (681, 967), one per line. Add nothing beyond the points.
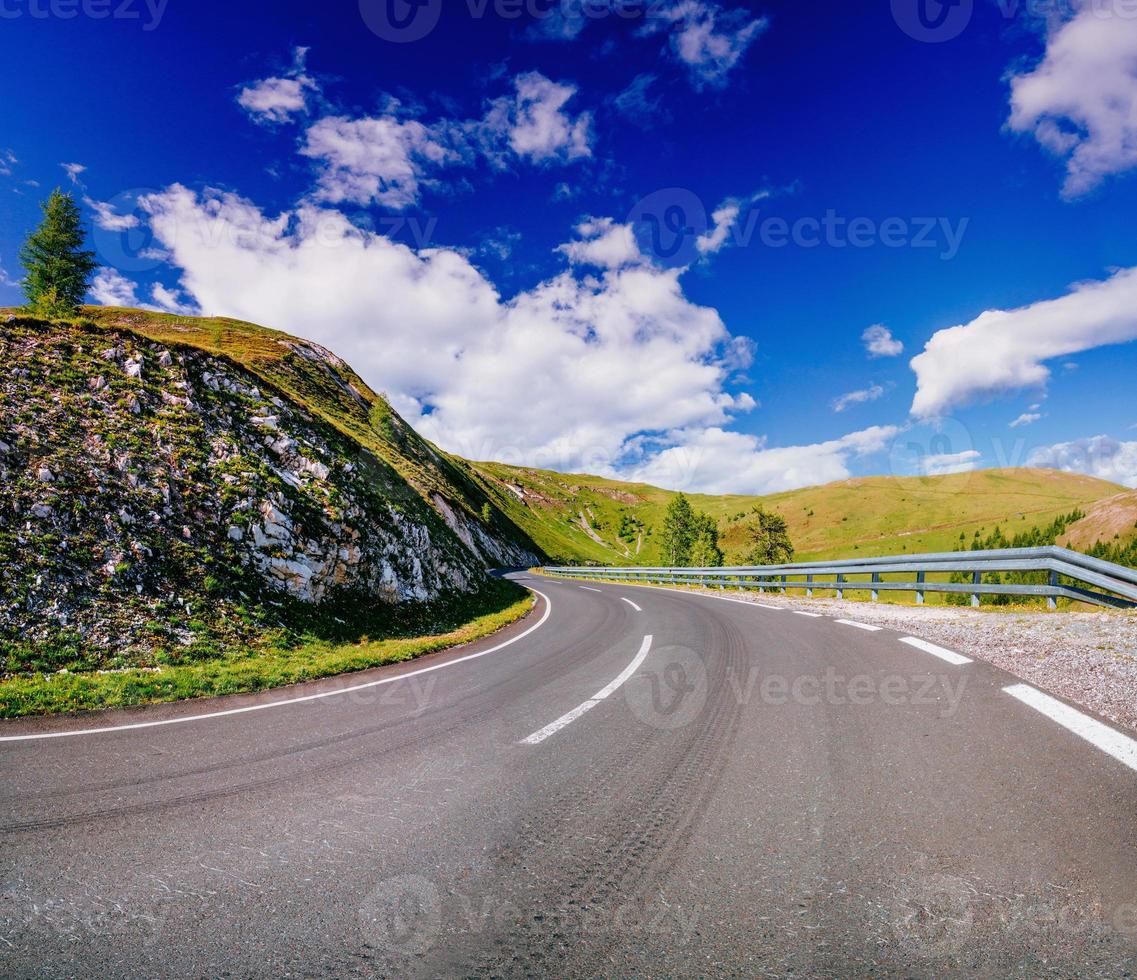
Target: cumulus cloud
(1005, 350)
(535, 123)
(1027, 418)
(1080, 101)
(388, 159)
(1100, 456)
(710, 41)
(569, 374)
(869, 394)
(107, 218)
(603, 243)
(879, 342)
(276, 100)
(941, 464)
(714, 460)
(112, 288)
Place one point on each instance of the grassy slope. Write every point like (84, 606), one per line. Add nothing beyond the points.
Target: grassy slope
(271, 664)
(871, 516)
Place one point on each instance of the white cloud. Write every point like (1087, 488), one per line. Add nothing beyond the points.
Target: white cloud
(276, 100)
(603, 243)
(869, 394)
(388, 159)
(7, 162)
(73, 170)
(569, 374)
(942, 464)
(535, 122)
(1027, 418)
(375, 160)
(171, 301)
(1080, 101)
(1100, 456)
(713, 460)
(1004, 350)
(110, 220)
(879, 342)
(112, 288)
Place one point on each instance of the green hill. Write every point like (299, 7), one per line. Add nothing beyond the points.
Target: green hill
(583, 518)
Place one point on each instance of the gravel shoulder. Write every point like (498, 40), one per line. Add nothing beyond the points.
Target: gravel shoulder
(1086, 657)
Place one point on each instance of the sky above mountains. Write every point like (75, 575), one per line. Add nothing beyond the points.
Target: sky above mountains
(715, 245)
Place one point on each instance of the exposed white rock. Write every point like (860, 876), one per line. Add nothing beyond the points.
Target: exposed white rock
(44, 475)
(235, 533)
(165, 359)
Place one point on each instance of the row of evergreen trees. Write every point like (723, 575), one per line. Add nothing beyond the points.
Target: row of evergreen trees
(690, 539)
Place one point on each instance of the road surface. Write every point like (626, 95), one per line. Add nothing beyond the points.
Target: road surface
(630, 781)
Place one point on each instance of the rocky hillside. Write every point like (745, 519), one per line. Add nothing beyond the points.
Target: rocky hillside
(159, 494)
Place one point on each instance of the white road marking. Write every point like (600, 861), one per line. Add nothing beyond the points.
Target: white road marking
(605, 692)
(949, 655)
(632, 604)
(860, 626)
(802, 612)
(1121, 747)
(589, 589)
(301, 700)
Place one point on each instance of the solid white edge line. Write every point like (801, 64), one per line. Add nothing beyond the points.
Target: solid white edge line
(589, 588)
(1111, 742)
(288, 701)
(802, 612)
(936, 651)
(632, 604)
(605, 692)
(860, 626)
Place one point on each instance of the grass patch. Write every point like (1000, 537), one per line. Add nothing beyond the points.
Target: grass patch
(284, 660)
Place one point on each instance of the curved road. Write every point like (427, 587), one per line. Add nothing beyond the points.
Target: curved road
(631, 781)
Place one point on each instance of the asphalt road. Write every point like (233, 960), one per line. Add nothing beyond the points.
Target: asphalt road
(749, 792)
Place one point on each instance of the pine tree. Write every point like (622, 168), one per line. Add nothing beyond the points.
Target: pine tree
(705, 552)
(769, 539)
(678, 534)
(58, 269)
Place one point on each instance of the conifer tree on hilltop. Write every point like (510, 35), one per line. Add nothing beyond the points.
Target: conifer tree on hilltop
(57, 268)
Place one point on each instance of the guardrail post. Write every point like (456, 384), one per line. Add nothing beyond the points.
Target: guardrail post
(840, 582)
(976, 577)
(920, 592)
(785, 578)
(875, 592)
(1052, 601)
(809, 591)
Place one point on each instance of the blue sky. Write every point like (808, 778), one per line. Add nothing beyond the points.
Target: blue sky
(649, 238)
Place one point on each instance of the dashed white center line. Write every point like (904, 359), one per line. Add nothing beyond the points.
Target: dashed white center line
(605, 692)
(589, 588)
(949, 655)
(860, 626)
(1121, 747)
(632, 604)
(802, 612)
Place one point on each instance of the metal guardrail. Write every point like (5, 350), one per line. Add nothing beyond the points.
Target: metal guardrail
(1068, 575)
